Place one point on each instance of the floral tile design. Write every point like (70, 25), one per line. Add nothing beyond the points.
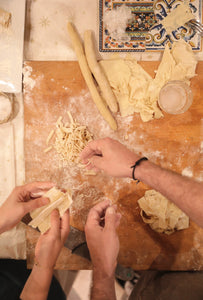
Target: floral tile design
(146, 34)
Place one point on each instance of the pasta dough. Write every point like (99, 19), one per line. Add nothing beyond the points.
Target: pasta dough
(82, 60)
(178, 17)
(70, 139)
(162, 215)
(137, 91)
(41, 216)
(98, 73)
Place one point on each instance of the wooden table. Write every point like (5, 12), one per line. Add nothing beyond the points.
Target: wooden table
(174, 142)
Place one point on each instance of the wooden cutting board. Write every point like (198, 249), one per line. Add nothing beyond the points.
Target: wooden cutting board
(173, 142)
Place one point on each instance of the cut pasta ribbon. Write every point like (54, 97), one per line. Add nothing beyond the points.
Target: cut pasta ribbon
(70, 139)
(162, 215)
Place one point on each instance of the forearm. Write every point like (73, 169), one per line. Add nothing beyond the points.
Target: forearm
(37, 285)
(103, 287)
(186, 193)
(3, 223)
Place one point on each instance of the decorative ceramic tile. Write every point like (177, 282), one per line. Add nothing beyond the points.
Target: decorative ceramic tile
(145, 32)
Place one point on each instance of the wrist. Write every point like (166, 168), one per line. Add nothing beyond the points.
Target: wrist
(100, 273)
(132, 161)
(42, 266)
(42, 271)
(140, 170)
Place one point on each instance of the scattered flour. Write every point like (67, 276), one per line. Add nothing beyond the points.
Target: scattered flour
(187, 172)
(27, 80)
(116, 22)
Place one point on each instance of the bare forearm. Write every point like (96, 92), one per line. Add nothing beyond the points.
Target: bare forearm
(186, 193)
(37, 285)
(103, 287)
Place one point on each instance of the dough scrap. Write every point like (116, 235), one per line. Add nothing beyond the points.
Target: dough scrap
(162, 215)
(5, 18)
(137, 91)
(41, 216)
(178, 17)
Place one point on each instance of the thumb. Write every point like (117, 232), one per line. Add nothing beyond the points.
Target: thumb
(110, 218)
(35, 203)
(55, 223)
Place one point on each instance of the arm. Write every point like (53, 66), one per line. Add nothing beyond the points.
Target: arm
(22, 200)
(47, 251)
(116, 160)
(37, 285)
(103, 245)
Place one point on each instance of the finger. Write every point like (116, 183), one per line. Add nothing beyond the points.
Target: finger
(55, 223)
(111, 219)
(65, 227)
(95, 214)
(118, 219)
(37, 187)
(91, 149)
(35, 203)
(97, 162)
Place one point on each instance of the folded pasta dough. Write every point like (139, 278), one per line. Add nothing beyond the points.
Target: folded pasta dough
(5, 18)
(162, 215)
(42, 216)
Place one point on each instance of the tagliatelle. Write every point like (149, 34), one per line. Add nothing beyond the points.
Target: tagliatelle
(162, 215)
(70, 139)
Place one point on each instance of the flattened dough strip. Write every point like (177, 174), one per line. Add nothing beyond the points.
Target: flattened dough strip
(59, 200)
(35, 222)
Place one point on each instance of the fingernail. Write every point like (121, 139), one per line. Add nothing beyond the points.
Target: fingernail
(110, 210)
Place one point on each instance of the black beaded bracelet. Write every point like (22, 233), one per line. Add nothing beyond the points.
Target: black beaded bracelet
(135, 165)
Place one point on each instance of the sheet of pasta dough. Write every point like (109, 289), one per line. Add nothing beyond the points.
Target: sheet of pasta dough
(162, 215)
(137, 91)
(42, 216)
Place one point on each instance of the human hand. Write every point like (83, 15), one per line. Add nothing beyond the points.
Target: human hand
(102, 241)
(51, 242)
(110, 156)
(22, 200)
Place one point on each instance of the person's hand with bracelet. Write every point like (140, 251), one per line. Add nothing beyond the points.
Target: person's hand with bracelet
(111, 157)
